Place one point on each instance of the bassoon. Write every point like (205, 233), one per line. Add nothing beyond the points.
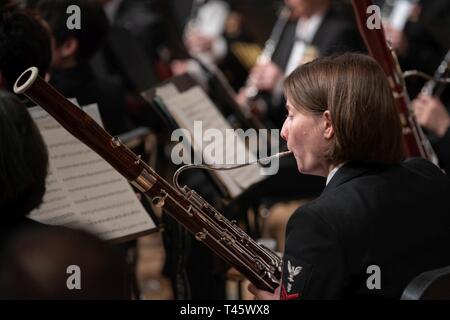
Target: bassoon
(259, 264)
(415, 141)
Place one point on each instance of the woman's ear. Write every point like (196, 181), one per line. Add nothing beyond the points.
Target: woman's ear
(64, 56)
(69, 48)
(328, 132)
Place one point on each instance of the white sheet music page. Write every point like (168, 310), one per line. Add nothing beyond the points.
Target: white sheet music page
(194, 105)
(167, 91)
(83, 190)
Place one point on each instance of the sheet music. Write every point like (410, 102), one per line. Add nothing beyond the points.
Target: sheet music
(83, 190)
(194, 105)
(167, 91)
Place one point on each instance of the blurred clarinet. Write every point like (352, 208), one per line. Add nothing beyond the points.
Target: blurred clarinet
(436, 86)
(269, 48)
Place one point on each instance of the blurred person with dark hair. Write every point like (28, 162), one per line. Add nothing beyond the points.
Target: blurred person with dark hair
(74, 46)
(24, 42)
(60, 263)
(141, 18)
(73, 49)
(23, 163)
(34, 257)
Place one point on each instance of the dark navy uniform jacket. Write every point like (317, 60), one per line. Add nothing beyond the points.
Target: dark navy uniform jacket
(372, 230)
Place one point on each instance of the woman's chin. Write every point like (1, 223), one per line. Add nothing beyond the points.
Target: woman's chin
(300, 167)
(312, 171)
(304, 168)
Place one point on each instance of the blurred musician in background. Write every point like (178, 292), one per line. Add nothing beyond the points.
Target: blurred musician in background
(432, 115)
(316, 28)
(202, 36)
(34, 257)
(23, 164)
(71, 72)
(35, 265)
(418, 32)
(141, 19)
(24, 42)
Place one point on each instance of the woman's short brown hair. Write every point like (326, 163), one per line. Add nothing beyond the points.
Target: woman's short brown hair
(354, 88)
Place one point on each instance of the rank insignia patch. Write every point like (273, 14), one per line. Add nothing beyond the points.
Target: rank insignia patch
(294, 277)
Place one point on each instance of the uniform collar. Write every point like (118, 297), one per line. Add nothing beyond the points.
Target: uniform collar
(349, 171)
(333, 172)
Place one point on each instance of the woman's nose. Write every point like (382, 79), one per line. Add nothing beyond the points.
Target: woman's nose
(284, 131)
